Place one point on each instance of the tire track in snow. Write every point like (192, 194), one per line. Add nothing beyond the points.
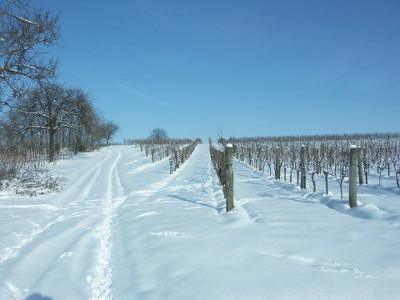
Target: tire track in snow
(99, 229)
(95, 230)
(69, 237)
(82, 180)
(13, 251)
(101, 281)
(60, 242)
(88, 224)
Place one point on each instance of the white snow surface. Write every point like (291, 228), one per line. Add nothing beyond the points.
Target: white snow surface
(123, 228)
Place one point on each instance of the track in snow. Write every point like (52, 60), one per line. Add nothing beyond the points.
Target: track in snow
(125, 229)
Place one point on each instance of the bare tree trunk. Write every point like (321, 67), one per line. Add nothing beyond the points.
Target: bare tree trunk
(51, 145)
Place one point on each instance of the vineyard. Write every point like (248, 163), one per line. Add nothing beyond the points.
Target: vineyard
(106, 193)
(132, 221)
(176, 150)
(322, 155)
(288, 158)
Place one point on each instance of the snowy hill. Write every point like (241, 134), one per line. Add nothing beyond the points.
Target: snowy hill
(123, 228)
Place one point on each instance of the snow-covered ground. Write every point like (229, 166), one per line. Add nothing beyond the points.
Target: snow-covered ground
(123, 228)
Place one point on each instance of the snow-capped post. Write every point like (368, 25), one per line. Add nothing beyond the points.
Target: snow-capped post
(360, 167)
(353, 176)
(229, 177)
(302, 168)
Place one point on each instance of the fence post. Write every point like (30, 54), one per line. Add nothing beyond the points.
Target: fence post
(353, 176)
(277, 164)
(360, 167)
(326, 182)
(302, 167)
(313, 181)
(229, 177)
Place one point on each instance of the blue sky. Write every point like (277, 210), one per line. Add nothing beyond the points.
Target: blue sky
(242, 68)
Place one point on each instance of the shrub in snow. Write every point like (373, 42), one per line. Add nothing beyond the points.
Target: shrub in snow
(33, 183)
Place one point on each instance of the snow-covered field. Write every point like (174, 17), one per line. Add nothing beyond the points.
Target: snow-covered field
(123, 228)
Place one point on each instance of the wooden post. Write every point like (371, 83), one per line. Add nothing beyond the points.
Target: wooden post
(303, 168)
(353, 176)
(360, 168)
(326, 182)
(229, 177)
(277, 164)
(366, 169)
(313, 181)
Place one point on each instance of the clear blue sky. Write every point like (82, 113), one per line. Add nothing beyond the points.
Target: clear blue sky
(199, 68)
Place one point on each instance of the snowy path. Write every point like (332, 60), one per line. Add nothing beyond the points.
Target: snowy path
(124, 229)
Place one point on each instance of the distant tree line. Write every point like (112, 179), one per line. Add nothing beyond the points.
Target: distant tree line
(158, 136)
(39, 117)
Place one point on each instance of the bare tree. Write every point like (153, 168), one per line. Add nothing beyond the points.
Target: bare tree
(25, 35)
(109, 129)
(38, 117)
(87, 130)
(158, 135)
(48, 108)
